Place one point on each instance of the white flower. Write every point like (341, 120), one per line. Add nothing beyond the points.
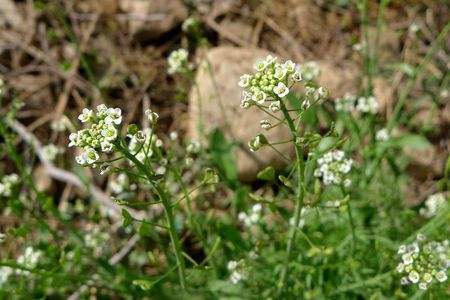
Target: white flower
(114, 116)
(281, 90)
(28, 259)
(50, 152)
(106, 146)
(193, 147)
(86, 115)
(260, 65)
(275, 106)
(407, 259)
(161, 170)
(401, 249)
(427, 277)
(178, 61)
(297, 75)
(244, 80)
(101, 109)
(73, 137)
(400, 267)
(432, 205)
(280, 72)
(441, 276)
(5, 272)
(80, 159)
(173, 135)
(109, 133)
(235, 277)
(289, 65)
(382, 135)
(90, 156)
(265, 124)
(159, 143)
(259, 97)
(423, 286)
(367, 105)
(332, 168)
(413, 277)
(232, 265)
(151, 116)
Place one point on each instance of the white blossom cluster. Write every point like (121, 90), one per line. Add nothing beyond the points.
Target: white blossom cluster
(99, 134)
(143, 143)
(350, 103)
(50, 151)
(120, 184)
(178, 61)
(309, 70)
(424, 262)
(236, 269)
(28, 259)
(60, 124)
(433, 205)
(333, 167)
(5, 272)
(272, 81)
(7, 183)
(96, 240)
(253, 217)
(382, 135)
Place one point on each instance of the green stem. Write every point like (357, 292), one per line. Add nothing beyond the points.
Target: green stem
(298, 203)
(167, 210)
(193, 223)
(173, 236)
(352, 226)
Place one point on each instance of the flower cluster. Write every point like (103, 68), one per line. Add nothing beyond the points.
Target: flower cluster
(142, 144)
(60, 124)
(350, 103)
(121, 184)
(253, 217)
(432, 205)
(424, 262)
(99, 135)
(178, 62)
(309, 70)
(5, 272)
(382, 135)
(7, 183)
(237, 271)
(28, 259)
(332, 168)
(50, 151)
(270, 82)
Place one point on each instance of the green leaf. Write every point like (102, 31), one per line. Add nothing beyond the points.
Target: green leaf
(222, 157)
(143, 284)
(127, 219)
(414, 141)
(267, 174)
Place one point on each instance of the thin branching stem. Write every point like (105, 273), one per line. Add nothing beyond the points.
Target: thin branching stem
(298, 203)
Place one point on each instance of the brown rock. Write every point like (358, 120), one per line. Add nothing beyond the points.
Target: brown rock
(151, 19)
(338, 80)
(220, 98)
